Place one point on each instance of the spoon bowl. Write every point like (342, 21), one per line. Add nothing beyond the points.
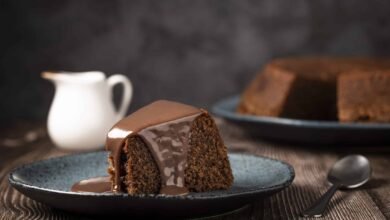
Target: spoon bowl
(350, 172)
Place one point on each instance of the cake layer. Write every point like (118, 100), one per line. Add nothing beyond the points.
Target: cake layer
(270, 87)
(364, 96)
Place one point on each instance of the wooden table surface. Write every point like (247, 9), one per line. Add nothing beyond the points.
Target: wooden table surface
(311, 163)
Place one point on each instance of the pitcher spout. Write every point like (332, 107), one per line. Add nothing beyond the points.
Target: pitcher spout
(74, 77)
(52, 76)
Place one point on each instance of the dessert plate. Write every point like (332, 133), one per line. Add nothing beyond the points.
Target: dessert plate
(304, 131)
(49, 182)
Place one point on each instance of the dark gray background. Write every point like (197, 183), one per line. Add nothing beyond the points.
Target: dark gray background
(194, 51)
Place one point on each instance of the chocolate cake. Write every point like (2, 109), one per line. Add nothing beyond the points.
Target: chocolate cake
(167, 148)
(301, 88)
(364, 96)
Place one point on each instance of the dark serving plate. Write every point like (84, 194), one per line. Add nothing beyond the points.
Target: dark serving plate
(49, 182)
(304, 131)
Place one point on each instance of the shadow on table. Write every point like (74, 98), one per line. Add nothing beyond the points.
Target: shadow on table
(376, 182)
(249, 211)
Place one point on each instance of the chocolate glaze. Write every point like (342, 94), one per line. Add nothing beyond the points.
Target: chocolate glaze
(96, 184)
(169, 145)
(164, 126)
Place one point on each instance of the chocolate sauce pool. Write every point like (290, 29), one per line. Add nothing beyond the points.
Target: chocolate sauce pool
(95, 185)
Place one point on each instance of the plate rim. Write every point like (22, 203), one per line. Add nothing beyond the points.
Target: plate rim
(251, 191)
(219, 109)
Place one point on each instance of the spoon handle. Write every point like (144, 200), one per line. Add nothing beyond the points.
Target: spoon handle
(319, 206)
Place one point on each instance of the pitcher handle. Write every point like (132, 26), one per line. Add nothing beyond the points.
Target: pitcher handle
(127, 92)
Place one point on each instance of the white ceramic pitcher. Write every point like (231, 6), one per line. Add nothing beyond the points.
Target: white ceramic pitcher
(82, 111)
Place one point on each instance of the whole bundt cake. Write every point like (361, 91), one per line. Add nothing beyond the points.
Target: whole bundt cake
(305, 87)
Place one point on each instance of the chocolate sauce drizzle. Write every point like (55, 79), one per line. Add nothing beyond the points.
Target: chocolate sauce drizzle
(164, 126)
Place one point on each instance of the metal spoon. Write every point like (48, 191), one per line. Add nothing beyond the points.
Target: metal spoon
(349, 172)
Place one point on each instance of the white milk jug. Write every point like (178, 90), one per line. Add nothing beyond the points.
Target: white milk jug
(82, 111)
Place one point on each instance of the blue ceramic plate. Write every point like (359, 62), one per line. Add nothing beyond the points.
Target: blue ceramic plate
(49, 182)
(304, 131)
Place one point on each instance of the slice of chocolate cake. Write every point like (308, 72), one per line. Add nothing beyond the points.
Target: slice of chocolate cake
(364, 96)
(167, 148)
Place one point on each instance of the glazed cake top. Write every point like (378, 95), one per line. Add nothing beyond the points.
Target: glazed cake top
(155, 113)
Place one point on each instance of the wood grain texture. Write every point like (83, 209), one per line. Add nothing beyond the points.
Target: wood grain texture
(310, 164)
